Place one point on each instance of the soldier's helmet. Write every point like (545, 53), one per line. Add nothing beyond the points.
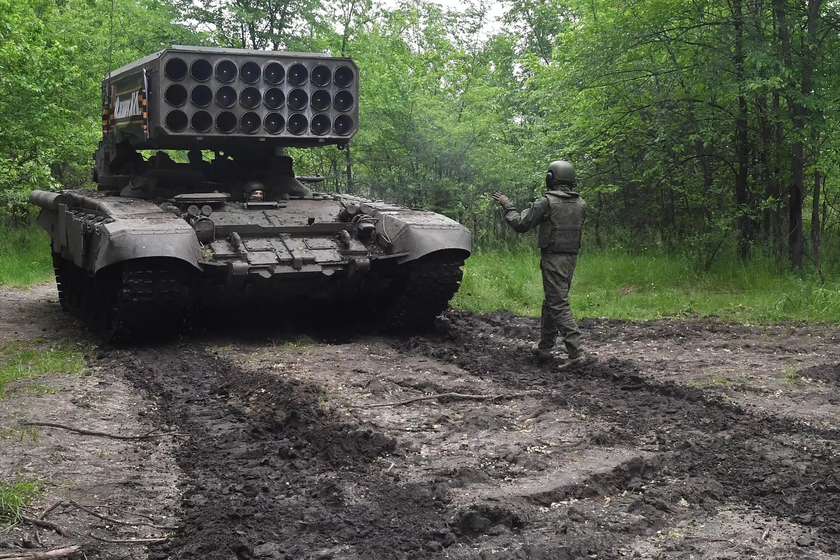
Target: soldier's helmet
(253, 191)
(560, 172)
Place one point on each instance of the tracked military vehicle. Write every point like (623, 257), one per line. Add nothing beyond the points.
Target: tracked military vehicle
(234, 223)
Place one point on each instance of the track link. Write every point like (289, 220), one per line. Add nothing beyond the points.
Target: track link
(136, 300)
(424, 293)
(151, 302)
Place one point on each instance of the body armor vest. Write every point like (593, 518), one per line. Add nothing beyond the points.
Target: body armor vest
(560, 229)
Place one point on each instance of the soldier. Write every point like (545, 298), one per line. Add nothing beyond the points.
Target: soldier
(253, 191)
(559, 213)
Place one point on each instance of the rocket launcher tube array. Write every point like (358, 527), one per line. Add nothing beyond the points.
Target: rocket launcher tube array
(290, 98)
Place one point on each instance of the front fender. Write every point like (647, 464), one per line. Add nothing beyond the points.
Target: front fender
(123, 242)
(93, 240)
(420, 233)
(416, 232)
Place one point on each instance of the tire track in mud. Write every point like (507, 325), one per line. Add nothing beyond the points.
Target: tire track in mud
(711, 453)
(271, 474)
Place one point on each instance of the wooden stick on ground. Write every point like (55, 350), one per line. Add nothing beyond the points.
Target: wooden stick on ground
(120, 521)
(150, 435)
(49, 509)
(44, 524)
(128, 541)
(457, 396)
(38, 555)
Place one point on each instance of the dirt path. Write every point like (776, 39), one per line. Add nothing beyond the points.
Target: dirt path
(684, 440)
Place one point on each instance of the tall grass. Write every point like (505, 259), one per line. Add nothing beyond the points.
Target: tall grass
(13, 497)
(650, 286)
(24, 256)
(23, 360)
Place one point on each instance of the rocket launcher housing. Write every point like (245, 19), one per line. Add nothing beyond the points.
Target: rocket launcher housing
(213, 98)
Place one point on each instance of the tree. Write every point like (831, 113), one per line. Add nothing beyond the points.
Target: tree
(53, 56)
(257, 24)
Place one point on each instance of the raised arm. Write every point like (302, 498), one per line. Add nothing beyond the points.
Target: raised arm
(528, 218)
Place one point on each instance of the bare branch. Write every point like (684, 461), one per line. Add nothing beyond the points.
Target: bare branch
(128, 541)
(54, 553)
(150, 435)
(43, 524)
(119, 521)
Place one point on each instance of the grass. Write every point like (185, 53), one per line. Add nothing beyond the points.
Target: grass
(24, 256)
(33, 433)
(791, 376)
(646, 287)
(606, 284)
(300, 344)
(23, 360)
(13, 497)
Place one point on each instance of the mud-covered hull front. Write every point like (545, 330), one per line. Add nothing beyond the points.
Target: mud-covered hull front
(95, 231)
(134, 268)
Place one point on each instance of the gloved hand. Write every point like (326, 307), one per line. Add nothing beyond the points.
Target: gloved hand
(501, 199)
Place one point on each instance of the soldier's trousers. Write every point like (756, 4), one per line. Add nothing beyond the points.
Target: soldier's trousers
(557, 318)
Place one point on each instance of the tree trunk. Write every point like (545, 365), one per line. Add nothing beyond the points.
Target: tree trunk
(348, 162)
(815, 224)
(746, 224)
(776, 185)
(801, 114)
(800, 111)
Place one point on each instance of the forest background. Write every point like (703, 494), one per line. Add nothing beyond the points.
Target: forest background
(704, 132)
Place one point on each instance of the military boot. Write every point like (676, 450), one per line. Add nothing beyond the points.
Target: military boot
(540, 353)
(579, 360)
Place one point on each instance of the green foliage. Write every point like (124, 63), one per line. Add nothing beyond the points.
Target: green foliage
(432, 113)
(53, 56)
(791, 376)
(256, 24)
(17, 179)
(23, 360)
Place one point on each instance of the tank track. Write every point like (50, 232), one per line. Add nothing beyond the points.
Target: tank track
(424, 293)
(136, 300)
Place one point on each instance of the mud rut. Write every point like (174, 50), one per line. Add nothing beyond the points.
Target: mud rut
(605, 462)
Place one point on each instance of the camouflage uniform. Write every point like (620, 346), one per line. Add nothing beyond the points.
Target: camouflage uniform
(559, 213)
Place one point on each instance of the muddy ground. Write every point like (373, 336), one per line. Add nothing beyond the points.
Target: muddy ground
(685, 439)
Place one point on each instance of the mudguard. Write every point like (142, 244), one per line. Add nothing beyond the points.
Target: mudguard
(416, 232)
(96, 231)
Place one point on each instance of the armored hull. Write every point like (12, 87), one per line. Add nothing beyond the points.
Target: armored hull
(235, 225)
(133, 269)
